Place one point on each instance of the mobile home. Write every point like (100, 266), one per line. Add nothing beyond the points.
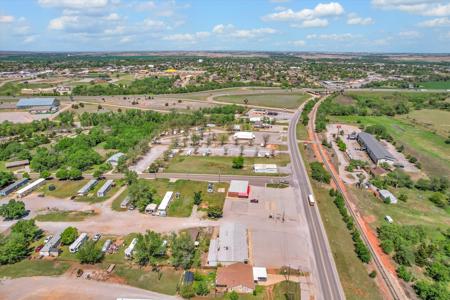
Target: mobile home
(105, 188)
(162, 209)
(78, 243)
(30, 188)
(124, 203)
(129, 250)
(10, 188)
(51, 247)
(87, 187)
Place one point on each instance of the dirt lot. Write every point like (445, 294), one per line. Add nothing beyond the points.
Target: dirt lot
(273, 242)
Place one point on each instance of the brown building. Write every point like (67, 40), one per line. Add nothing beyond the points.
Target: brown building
(237, 277)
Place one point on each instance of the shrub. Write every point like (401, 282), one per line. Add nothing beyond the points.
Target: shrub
(373, 274)
(238, 162)
(404, 274)
(69, 235)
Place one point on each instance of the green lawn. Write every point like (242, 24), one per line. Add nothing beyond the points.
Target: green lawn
(144, 279)
(431, 119)
(116, 203)
(220, 164)
(435, 85)
(353, 274)
(281, 100)
(428, 147)
(287, 290)
(64, 188)
(64, 216)
(301, 131)
(28, 268)
(182, 207)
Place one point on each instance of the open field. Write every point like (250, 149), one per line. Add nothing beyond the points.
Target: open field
(431, 119)
(220, 164)
(353, 274)
(286, 290)
(167, 283)
(428, 147)
(435, 85)
(269, 100)
(64, 188)
(64, 216)
(27, 268)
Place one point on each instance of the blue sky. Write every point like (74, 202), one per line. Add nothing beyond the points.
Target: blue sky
(272, 25)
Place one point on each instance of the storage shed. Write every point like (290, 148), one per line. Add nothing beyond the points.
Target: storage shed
(385, 194)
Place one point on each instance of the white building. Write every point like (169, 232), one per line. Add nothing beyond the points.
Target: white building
(265, 168)
(384, 194)
(51, 247)
(243, 135)
(130, 249)
(87, 187)
(230, 247)
(151, 208)
(114, 159)
(31, 187)
(75, 246)
(259, 274)
(162, 209)
(105, 188)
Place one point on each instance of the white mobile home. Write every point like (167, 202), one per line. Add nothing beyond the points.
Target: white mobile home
(162, 209)
(78, 243)
(129, 250)
(106, 245)
(243, 135)
(151, 208)
(105, 188)
(125, 202)
(87, 187)
(51, 247)
(265, 168)
(31, 187)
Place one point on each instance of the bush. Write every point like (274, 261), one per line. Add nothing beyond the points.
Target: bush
(69, 235)
(238, 162)
(187, 291)
(438, 199)
(373, 274)
(214, 212)
(51, 187)
(319, 173)
(89, 254)
(387, 246)
(13, 210)
(404, 274)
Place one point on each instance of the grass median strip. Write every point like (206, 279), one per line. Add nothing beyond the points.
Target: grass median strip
(65, 216)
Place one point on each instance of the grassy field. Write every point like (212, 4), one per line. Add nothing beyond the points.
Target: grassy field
(435, 85)
(416, 210)
(28, 268)
(64, 216)
(14, 88)
(432, 119)
(64, 188)
(352, 272)
(302, 133)
(269, 100)
(428, 147)
(144, 279)
(182, 207)
(286, 290)
(116, 203)
(220, 164)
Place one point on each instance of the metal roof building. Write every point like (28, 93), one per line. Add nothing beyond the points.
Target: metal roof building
(102, 191)
(8, 190)
(230, 247)
(384, 194)
(31, 187)
(18, 163)
(34, 102)
(265, 168)
(51, 248)
(87, 187)
(244, 135)
(374, 149)
(165, 203)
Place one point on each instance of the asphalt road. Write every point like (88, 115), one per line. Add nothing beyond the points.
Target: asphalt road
(329, 283)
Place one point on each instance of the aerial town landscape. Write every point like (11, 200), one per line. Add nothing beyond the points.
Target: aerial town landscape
(199, 167)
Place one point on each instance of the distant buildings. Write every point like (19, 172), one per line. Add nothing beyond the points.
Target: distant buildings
(230, 246)
(38, 105)
(377, 153)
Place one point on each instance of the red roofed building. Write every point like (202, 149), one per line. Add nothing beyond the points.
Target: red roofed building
(237, 277)
(239, 189)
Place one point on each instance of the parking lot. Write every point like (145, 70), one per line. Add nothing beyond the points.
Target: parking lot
(279, 236)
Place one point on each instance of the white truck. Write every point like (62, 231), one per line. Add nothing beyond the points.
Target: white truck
(311, 199)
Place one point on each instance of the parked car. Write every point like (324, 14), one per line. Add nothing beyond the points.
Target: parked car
(96, 237)
(210, 187)
(254, 200)
(38, 248)
(131, 207)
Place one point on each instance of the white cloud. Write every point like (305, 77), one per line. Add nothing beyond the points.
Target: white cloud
(112, 17)
(252, 33)
(30, 39)
(354, 19)
(410, 35)
(434, 8)
(6, 19)
(321, 10)
(298, 43)
(186, 37)
(155, 25)
(312, 23)
(62, 22)
(76, 4)
(146, 5)
(332, 37)
(221, 28)
(438, 22)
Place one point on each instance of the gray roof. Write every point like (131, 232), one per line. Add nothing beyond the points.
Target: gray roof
(233, 245)
(52, 243)
(29, 102)
(87, 187)
(115, 157)
(375, 146)
(105, 187)
(13, 186)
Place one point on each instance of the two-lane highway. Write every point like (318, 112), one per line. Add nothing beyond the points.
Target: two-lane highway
(329, 286)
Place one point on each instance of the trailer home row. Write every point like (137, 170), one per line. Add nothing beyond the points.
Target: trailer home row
(30, 188)
(105, 188)
(13, 186)
(130, 249)
(75, 246)
(87, 187)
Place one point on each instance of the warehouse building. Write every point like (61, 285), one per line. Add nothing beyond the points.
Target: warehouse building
(265, 168)
(105, 188)
(87, 187)
(377, 153)
(38, 105)
(239, 189)
(230, 247)
(31, 187)
(13, 186)
(51, 248)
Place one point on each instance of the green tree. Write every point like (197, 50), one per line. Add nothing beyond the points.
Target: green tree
(201, 288)
(27, 228)
(141, 194)
(62, 174)
(197, 197)
(183, 251)
(75, 174)
(233, 295)
(148, 248)
(13, 210)
(187, 291)
(238, 162)
(69, 235)
(89, 253)
(404, 274)
(131, 177)
(13, 248)
(6, 178)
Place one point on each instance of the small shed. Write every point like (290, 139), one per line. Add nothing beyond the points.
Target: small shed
(188, 278)
(114, 159)
(259, 274)
(385, 194)
(244, 135)
(151, 208)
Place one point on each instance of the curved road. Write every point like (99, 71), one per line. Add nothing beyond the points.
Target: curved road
(329, 283)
